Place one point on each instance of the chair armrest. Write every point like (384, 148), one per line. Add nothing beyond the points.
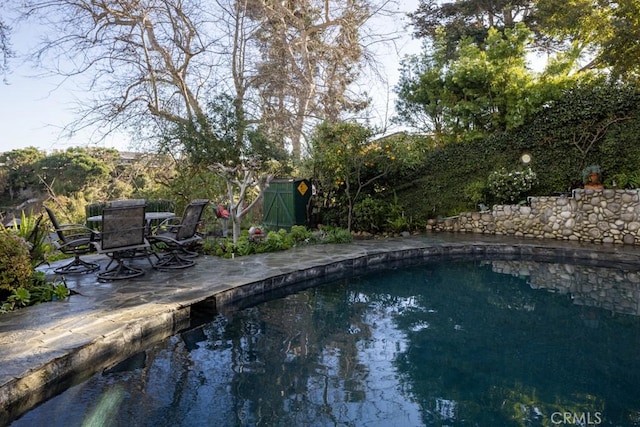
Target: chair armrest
(169, 225)
(96, 236)
(75, 231)
(74, 228)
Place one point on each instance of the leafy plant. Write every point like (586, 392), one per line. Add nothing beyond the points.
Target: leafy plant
(348, 163)
(377, 215)
(475, 192)
(300, 233)
(33, 231)
(619, 180)
(399, 224)
(60, 291)
(370, 215)
(276, 241)
(337, 235)
(20, 297)
(634, 180)
(225, 248)
(15, 263)
(629, 180)
(43, 292)
(590, 170)
(243, 247)
(273, 241)
(20, 284)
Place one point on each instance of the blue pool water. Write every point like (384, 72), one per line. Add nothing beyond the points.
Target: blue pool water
(470, 343)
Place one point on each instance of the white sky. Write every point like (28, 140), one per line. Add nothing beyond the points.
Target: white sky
(34, 110)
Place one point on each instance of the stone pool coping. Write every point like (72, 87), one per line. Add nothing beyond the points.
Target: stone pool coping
(46, 348)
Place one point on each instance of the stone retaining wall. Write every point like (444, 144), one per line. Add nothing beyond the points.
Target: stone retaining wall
(600, 216)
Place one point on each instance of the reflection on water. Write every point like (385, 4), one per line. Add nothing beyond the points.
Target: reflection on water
(615, 289)
(452, 344)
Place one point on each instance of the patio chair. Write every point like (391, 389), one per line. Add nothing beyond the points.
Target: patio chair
(178, 236)
(73, 239)
(123, 238)
(93, 210)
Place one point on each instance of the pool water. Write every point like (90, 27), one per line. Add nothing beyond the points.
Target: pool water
(471, 343)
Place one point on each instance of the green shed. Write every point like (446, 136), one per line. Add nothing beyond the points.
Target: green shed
(285, 203)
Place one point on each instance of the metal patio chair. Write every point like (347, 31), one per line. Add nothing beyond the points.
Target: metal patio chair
(178, 236)
(93, 210)
(73, 239)
(122, 238)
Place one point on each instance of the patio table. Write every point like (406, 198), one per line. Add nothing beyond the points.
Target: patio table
(148, 216)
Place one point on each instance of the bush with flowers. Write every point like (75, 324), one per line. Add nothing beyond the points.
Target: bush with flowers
(510, 186)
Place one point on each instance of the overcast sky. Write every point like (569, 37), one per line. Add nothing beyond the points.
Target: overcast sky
(34, 111)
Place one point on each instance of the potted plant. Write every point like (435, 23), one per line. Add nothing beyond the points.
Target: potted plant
(592, 177)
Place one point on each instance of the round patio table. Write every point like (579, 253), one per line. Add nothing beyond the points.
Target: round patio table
(148, 216)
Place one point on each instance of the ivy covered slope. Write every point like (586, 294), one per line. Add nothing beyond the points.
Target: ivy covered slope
(476, 94)
(595, 122)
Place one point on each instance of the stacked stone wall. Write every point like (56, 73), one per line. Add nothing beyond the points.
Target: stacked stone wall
(601, 216)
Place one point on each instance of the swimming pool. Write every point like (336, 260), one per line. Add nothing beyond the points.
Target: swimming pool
(481, 342)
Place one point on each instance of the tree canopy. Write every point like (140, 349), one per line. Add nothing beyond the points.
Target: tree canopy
(600, 34)
(152, 64)
(483, 90)
(474, 75)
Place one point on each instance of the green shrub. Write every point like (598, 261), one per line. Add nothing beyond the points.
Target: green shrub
(370, 215)
(20, 284)
(334, 216)
(378, 215)
(273, 241)
(475, 192)
(300, 234)
(15, 263)
(510, 186)
(224, 247)
(244, 246)
(36, 294)
(276, 241)
(629, 180)
(337, 235)
(34, 230)
(399, 224)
